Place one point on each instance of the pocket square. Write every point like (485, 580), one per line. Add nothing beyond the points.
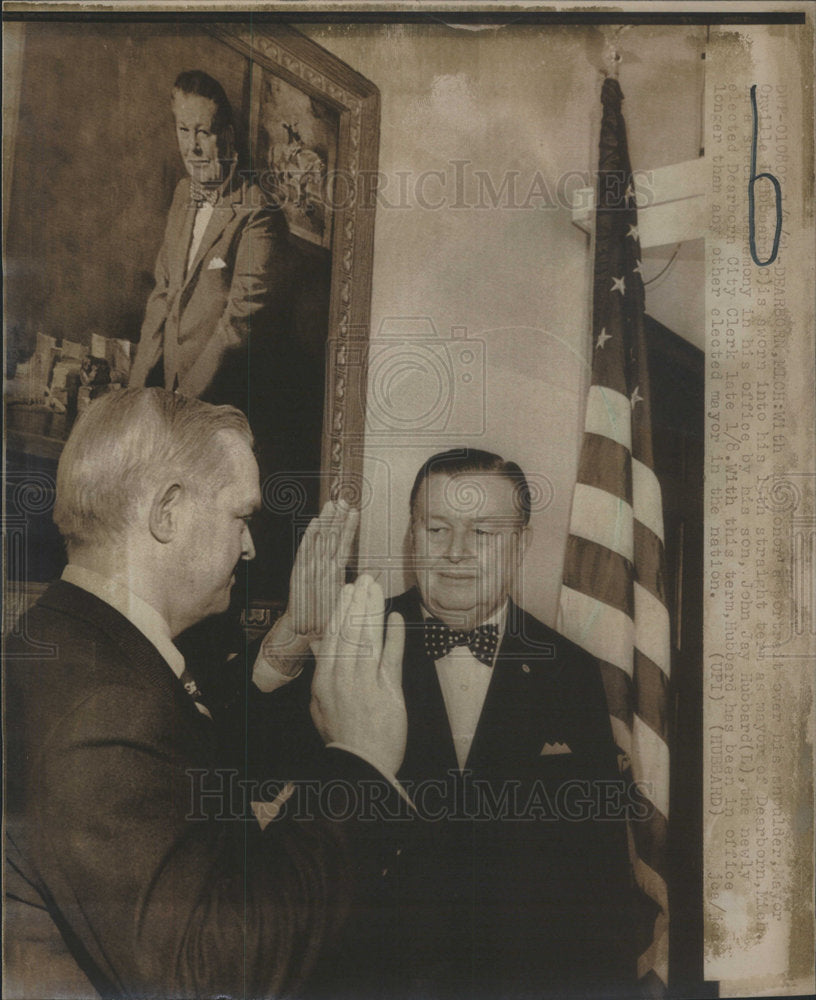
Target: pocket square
(554, 748)
(216, 263)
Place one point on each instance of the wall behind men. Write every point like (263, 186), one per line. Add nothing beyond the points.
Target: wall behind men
(481, 291)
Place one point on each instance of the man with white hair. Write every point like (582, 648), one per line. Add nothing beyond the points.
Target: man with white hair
(116, 831)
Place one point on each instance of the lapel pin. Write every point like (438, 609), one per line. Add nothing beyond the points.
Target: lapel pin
(525, 667)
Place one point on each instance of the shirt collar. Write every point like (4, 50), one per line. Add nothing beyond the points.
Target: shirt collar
(139, 613)
(499, 616)
(214, 193)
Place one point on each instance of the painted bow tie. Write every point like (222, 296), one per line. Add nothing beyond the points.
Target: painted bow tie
(201, 192)
(481, 641)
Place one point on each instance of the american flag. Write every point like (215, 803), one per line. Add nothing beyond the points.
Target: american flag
(613, 599)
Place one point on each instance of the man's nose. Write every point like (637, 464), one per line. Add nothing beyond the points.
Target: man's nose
(458, 546)
(247, 545)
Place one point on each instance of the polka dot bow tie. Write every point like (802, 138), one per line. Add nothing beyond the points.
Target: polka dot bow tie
(440, 640)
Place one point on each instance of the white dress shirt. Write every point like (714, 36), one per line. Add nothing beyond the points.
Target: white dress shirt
(464, 681)
(202, 219)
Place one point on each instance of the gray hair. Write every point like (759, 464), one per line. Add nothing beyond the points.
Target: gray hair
(123, 444)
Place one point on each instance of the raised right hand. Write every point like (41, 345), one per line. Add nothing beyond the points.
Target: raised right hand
(320, 565)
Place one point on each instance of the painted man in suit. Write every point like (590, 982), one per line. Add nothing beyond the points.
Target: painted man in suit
(515, 879)
(221, 274)
(126, 831)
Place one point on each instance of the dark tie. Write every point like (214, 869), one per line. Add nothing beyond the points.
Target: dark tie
(481, 641)
(192, 689)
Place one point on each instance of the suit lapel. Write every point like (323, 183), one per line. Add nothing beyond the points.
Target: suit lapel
(181, 248)
(137, 652)
(520, 700)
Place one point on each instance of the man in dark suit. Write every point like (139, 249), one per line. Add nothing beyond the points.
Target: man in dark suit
(527, 882)
(129, 833)
(515, 878)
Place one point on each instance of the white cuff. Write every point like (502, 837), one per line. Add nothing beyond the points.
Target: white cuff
(267, 678)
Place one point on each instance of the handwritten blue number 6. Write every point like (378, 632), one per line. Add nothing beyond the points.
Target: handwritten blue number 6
(777, 188)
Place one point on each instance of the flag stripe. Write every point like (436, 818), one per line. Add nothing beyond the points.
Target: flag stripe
(603, 518)
(652, 686)
(651, 836)
(647, 498)
(606, 465)
(622, 735)
(652, 883)
(652, 628)
(609, 413)
(655, 957)
(599, 572)
(600, 629)
(650, 762)
(618, 689)
(649, 560)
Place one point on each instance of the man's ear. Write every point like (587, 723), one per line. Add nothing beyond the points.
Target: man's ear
(525, 538)
(164, 511)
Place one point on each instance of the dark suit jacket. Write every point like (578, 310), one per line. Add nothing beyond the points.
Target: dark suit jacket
(229, 307)
(514, 878)
(157, 892)
(525, 885)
